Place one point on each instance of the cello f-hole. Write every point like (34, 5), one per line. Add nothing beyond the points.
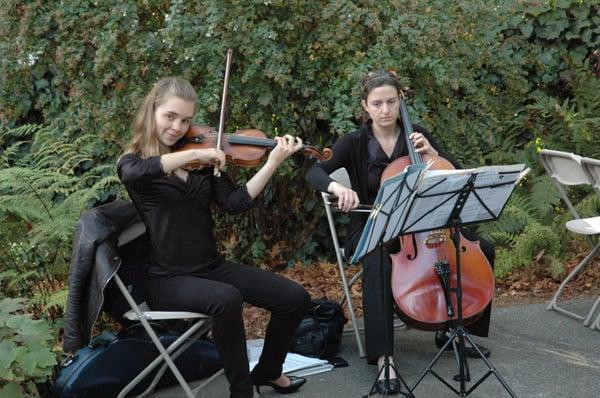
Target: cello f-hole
(415, 249)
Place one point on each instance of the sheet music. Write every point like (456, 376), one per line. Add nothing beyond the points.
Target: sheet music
(440, 187)
(423, 200)
(388, 209)
(493, 186)
(311, 371)
(395, 205)
(294, 364)
(438, 192)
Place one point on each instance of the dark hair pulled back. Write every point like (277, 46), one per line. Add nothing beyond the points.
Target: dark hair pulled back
(375, 79)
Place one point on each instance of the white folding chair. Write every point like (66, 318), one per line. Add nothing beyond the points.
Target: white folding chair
(567, 169)
(143, 314)
(592, 169)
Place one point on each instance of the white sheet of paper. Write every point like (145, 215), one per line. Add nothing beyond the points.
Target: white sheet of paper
(294, 364)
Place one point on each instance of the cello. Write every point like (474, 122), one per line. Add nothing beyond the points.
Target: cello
(427, 261)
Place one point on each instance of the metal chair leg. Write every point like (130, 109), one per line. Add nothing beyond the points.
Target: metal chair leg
(553, 305)
(347, 293)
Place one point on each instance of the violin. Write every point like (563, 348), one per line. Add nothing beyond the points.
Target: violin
(245, 147)
(424, 270)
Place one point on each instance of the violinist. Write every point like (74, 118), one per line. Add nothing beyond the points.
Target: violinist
(365, 153)
(187, 273)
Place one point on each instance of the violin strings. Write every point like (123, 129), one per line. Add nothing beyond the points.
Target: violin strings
(243, 140)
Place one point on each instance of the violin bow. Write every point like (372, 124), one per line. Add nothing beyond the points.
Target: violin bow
(217, 173)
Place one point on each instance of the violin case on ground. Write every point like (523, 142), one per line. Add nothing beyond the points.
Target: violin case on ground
(111, 360)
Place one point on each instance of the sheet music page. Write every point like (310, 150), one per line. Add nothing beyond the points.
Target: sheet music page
(388, 210)
(438, 192)
(423, 200)
(293, 362)
(435, 199)
(493, 187)
(451, 172)
(396, 207)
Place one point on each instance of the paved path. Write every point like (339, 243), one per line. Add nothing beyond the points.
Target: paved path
(539, 353)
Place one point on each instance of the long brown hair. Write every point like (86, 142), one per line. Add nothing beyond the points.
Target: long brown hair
(144, 142)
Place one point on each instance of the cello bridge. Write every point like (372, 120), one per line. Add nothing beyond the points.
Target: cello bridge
(435, 238)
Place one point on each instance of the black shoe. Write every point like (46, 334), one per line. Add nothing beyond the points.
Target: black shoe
(441, 338)
(295, 384)
(391, 388)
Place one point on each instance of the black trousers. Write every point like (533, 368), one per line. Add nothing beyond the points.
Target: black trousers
(219, 292)
(373, 310)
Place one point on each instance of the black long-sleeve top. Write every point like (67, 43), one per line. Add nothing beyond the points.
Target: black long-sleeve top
(361, 155)
(177, 213)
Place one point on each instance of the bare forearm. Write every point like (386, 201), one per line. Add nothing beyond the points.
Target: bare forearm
(173, 161)
(285, 147)
(259, 181)
(206, 156)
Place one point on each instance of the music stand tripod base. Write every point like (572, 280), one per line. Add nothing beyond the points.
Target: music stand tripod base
(414, 201)
(459, 331)
(391, 199)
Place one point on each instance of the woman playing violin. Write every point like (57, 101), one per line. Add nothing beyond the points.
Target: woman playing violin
(365, 153)
(187, 272)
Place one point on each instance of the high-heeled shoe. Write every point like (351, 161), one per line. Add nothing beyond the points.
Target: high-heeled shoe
(295, 384)
(391, 388)
(441, 338)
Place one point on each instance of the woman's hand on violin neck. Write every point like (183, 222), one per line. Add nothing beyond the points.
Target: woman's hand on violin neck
(211, 157)
(346, 197)
(422, 145)
(286, 146)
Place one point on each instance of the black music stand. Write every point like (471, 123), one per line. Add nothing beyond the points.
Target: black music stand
(393, 198)
(452, 200)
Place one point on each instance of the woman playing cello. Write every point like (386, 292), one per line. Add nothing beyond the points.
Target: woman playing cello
(187, 272)
(365, 153)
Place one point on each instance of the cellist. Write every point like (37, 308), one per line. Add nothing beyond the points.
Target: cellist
(187, 273)
(365, 153)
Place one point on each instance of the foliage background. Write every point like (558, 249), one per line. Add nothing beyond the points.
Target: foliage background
(495, 81)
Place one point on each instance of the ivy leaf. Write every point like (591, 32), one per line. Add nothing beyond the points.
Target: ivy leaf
(526, 28)
(11, 305)
(15, 321)
(552, 25)
(7, 353)
(42, 83)
(38, 356)
(35, 331)
(12, 390)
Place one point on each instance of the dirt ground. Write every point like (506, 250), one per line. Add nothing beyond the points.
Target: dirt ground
(533, 285)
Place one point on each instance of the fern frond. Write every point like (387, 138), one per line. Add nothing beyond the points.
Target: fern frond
(26, 208)
(57, 299)
(21, 131)
(50, 233)
(543, 196)
(589, 206)
(19, 277)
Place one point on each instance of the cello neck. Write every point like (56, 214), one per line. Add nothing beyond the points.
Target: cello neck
(414, 156)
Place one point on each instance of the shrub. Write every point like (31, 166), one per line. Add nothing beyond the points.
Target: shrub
(26, 357)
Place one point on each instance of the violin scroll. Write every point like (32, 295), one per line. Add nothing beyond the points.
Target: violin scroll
(315, 153)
